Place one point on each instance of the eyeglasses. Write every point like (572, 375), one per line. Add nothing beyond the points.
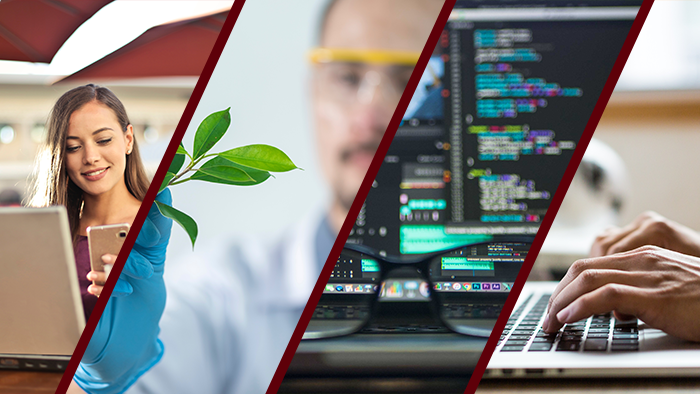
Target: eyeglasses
(352, 76)
(466, 286)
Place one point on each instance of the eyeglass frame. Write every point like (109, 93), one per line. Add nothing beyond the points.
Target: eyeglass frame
(388, 264)
(377, 75)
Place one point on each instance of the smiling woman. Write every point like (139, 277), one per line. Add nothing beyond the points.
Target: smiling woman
(91, 165)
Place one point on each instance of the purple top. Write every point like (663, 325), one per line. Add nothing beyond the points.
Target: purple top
(82, 263)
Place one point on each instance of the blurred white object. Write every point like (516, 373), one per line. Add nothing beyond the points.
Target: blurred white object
(592, 204)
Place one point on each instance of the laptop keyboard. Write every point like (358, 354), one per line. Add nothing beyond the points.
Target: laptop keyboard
(599, 333)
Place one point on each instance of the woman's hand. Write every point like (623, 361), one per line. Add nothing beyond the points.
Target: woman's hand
(101, 277)
(659, 286)
(649, 228)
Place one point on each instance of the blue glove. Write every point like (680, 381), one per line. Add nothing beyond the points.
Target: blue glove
(125, 343)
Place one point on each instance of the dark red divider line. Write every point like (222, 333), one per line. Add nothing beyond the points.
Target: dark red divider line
(151, 194)
(360, 197)
(559, 196)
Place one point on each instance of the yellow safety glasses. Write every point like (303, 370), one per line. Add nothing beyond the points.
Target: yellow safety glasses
(350, 76)
(368, 56)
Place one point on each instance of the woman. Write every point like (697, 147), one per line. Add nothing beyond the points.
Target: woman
(91, 165)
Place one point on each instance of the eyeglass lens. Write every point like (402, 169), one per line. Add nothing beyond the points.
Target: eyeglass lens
(358, 83)
(469, 288)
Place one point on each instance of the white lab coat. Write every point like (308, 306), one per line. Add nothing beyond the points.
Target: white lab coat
(230, 313)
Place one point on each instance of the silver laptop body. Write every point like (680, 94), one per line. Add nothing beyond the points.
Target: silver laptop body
(598, 354)
(41, 312)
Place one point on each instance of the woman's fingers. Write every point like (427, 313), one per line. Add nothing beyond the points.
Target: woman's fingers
(613, 240)
(95, 290)
(109, 258)
(587, 282)
(603, 241)
(659, 286)
(628, 300)
(100, 277)
(97, 276)
(635, 239)
(640, 262)
(617, 262)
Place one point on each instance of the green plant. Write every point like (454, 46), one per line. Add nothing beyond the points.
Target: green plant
(243, 166)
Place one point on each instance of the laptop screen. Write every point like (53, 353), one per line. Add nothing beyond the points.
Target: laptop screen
(493, 123)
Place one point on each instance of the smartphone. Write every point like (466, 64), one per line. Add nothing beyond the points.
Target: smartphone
(103, 240)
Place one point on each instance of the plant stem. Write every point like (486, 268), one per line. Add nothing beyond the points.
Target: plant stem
(187, 169)
(177, 183)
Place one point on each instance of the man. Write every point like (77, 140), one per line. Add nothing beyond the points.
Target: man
(231, 314)
(649, 269)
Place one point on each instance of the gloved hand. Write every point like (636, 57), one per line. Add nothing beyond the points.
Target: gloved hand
(125, 343)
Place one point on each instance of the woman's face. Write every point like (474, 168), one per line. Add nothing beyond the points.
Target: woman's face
(96, 149)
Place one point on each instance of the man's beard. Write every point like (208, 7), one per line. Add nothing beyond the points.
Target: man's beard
(367, 147)
(344, 196)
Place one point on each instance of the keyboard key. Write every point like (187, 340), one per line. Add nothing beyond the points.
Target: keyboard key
(544, 339)
(571, 338)
(511, 342)
(524, 337)
(540, 347)
(621, 348)
(527, 327)
(617, 335)
(595, 345)
(625, 341)
(597, 335)
(512, 348)
(569, 346)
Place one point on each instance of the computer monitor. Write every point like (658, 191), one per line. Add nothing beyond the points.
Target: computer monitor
(493, 123)
(487, 136)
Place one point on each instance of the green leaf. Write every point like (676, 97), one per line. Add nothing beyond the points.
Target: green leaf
(186, 222)
(168, 177)
(226, 172)
(217, 169)
(178, 160)
(210, 131)
(176, 165)
(261, 157)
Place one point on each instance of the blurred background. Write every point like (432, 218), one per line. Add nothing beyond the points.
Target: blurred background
(154, 97)
(262, 76)
(645, 150)
(653, 118)
(646, 140)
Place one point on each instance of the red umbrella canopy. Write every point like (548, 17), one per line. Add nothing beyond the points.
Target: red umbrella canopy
(170, 50)
(34, 30)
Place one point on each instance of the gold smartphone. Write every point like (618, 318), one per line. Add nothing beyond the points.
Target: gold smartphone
(103, 240)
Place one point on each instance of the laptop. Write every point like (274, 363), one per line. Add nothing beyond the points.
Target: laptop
(480, 151)
(40, 304)
(599, 346)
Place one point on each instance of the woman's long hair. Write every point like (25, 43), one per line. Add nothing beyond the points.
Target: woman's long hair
(52, 186)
